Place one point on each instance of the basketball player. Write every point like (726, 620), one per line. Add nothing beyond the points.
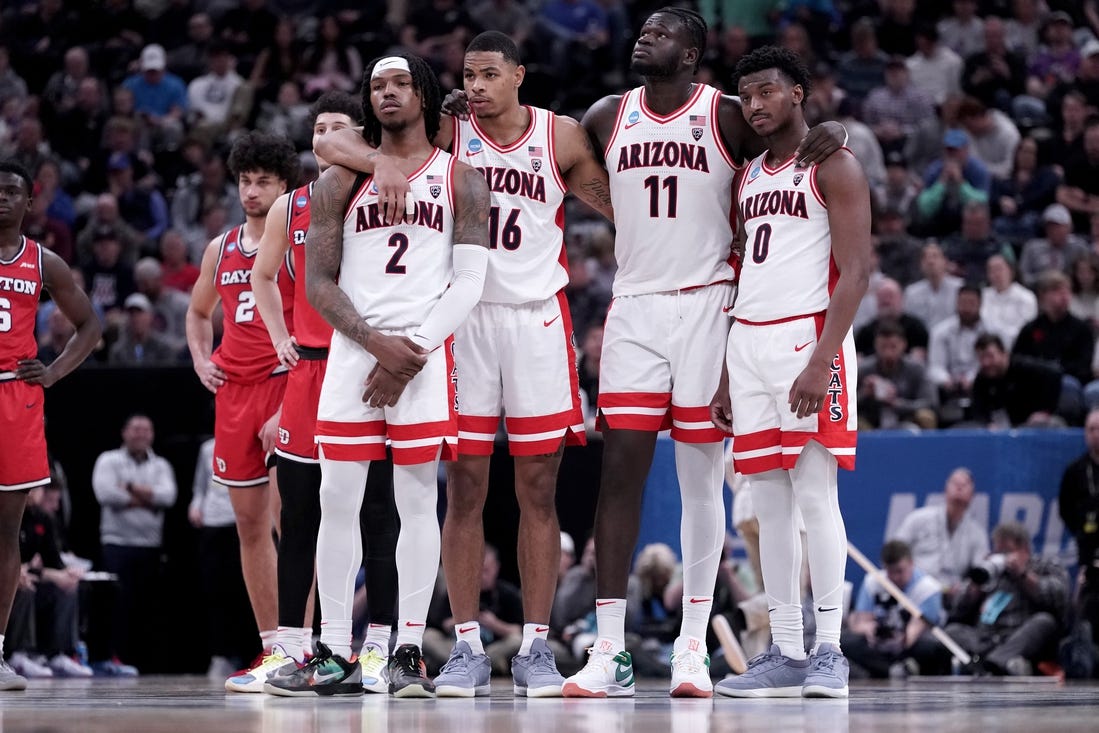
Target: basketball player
(670, 148)
(515, 351)
(791, 370)
(244, 373)
(305, 354)
(394, 295)
(26, 267)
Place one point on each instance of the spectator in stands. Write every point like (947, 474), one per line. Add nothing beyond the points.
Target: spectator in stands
(218, 102)
(1024, 26)
(883, 639)
(109, 279)
(945, 540)
(1018, 201)
(951, 184)
(575, 597)
(899, 189)
(1010, 611)
(932, 299)
(1006, 305)
(189, 59)
(331, 62)
(995, 75)
(1068, 137)
(138, 342)
(441, 23)
(568, 555)
(105, 216)
(863, 67)
(1080, 189)
(1078, 505)
(200, 191)
(969, 250)
(31, 147)
(1012, 391)
(47, 230)
(894, 391)
(660, 599)
(134, 487)
(992, 135)
(1085, 290)
(77, 131)
(935, 69)
(861, 140)
(278, 63)
(287, 115)
(59, 329)
(178, 271)
(1057, 58)
(247, 27)
(925, 145)
(962, 30)
(591, 351)
(824, 102)
(120, 135)
(951, 356)
(899, 253)
(160, 98)
(169, 307)
(511, 17)
(893, 109)
(12, 86)
(60, 94)
(587, 306)
(1058, 250)
(142, 207)
(890, 307)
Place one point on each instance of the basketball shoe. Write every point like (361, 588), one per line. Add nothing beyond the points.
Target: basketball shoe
(535, 674)
(408, 673)
(9, 678)
(606, 674)
(465, 674)
(691, 669)
(768, 675)
(326, 675)
(375, 670)
(253, 680)
(828, 673)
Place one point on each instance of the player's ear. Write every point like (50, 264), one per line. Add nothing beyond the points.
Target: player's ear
(797, 94)
(520, 74)
(690, 57)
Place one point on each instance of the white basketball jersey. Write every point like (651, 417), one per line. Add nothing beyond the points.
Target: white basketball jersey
(787, 268)
(671, 186)
(395, 274)
(527, 260)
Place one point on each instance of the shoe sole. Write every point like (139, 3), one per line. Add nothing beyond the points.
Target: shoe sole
(342, 689)
(412, 692)
(377, 688)
(571, 689)
(821, 691)
(454, 691)
(689, 689)
(545, 691)
(13, 686)
(761, 693)
(230, 687)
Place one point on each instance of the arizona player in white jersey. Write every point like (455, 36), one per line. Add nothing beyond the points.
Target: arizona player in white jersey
(791, 370)
(394, 295)
(514, 353)
(670, 149)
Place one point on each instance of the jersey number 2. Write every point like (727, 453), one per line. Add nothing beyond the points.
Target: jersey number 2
(394, 266)
(246, 307)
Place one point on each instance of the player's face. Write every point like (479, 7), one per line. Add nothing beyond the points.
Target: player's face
(768, 100)
(328, 122)
(491, 83)
(394, 100)
(258, 191)
(14, 199)
(662, 47)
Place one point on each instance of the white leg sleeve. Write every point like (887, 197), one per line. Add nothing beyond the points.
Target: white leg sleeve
(780, 558)
(417, 497)
(339, 548)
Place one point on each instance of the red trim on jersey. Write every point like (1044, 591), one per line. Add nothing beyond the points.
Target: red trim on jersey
(813, 186)
(551, 122)
(786, 164)
(690, 414)
(337, 429)
(628, 421)
(478, 423)
(635, 399)
(664, 119)
(512, 147)
(354, 451)
(420, 430)
(563, 255)
(770, 438)
(715, 129)
(748, 466)
(760, 440)
(456, 138)
(539, 424)
(425, 454)
(570, 350)
(617, 124)
(779, 320)
(427, 164)
(450, 187)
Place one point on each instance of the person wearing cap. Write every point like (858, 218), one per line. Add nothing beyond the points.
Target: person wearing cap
(951, 183)
(138, 342)
(1057, 59)
(893, 110)
(1057, 250)
(143, 207)
(160, 97)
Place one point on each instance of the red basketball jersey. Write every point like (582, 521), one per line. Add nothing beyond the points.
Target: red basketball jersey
(245, 354)
(310, 328)
(20, 291)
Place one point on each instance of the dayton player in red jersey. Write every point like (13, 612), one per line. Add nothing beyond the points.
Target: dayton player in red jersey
(244, 372)
(26, 267)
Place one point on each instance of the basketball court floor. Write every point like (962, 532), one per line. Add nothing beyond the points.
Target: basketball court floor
(195, 704)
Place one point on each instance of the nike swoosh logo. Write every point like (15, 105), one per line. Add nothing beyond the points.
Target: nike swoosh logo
(799, 348)
(726, 308)
(30, 405)
(623, 673)
(466, 630)
(411, 624)
(822, 609)
(549, 323)
(320, 679)
(470, 155)
(603, 603)
(541, 629)
(631, 124)
(701, 600)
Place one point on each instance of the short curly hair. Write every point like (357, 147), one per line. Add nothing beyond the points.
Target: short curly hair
(263, 151)
(13, 166)
(336, 102)
(788, 63)
(426, 85)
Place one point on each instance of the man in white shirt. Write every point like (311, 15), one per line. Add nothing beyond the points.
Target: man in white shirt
(213, 95)
(932, 299)
(951, 356)
(934, 69)
(993, 136)
(1005, 304)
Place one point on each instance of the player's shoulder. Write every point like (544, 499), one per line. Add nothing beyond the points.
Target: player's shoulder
(841, 165)
(604, 108)
(469, 179)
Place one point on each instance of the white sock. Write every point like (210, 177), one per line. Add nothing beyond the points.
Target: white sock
(1, 646)
(470, 633)
(339, 548)
(530, 633)
(816, 490)
(417, 496)
(377, 635)
(696, 616)
(780, 558)
(306, 635)
(610, 623)
(410, 631)
(701, 473)
(290, 643)
(267, 639)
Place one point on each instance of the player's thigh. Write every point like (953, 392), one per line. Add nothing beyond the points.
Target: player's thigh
(238, 453)
(298, 420)
(426, 415)
(634, 355)
(479, 390)
(23, 462)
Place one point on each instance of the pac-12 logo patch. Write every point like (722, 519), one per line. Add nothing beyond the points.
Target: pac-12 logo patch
(301, 202)
(536, 164)
(696, 133)
(473, 147)
(798, 177)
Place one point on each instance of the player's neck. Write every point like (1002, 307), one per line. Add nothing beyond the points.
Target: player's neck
(252, 233)
(410, 143)
(784, 142)
(665, 95)
(507, 127)
(11, 239)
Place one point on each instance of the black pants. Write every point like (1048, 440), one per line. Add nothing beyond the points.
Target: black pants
(1035, 641)
(1089, 602)
(136, 622)
(230, 624)
(927, 653)
(44, 621)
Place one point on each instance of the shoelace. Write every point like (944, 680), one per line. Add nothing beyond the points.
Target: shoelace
(409, 664)
(825, 662)
(457, 663)
(688, 661)
(372, 659)
(541, 658)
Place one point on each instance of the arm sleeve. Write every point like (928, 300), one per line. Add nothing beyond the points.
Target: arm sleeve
(470, 266)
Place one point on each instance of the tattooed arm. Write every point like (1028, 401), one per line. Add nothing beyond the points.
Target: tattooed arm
(324, 253)
(582, 171)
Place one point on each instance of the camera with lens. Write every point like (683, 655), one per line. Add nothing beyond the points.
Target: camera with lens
(987, 571)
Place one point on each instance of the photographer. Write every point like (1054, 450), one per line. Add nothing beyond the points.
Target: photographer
(882, 639)
(1009, 614)
(1079, 507)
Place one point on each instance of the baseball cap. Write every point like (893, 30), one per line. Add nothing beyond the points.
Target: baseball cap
(567, 545)
(153, 58)
(955, 138)
(1057, 214)
(1090, 48)
(139, 301)
(118, 162)
(1059, 16)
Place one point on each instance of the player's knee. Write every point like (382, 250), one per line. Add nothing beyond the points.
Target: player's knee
(537, 493)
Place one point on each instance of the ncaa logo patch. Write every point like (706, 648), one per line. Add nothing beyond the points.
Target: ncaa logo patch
(232, 246)
(473, 147)
(754, 173)
(798, 177)
(633, 119)
(696, 133)
(301, 202)
(373, 188)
